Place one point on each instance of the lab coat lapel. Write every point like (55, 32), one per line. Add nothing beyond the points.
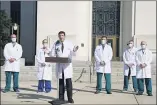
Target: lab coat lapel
(101, 52)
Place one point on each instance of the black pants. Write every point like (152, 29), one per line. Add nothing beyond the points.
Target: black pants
(62, 88)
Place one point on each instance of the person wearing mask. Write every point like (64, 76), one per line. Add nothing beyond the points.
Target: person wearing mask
(64, 71)
(44, 68)
(130, 66)
(143, 60)
(12, 53)
(103, 56)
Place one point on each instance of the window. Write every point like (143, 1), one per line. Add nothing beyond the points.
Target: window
(106, 18)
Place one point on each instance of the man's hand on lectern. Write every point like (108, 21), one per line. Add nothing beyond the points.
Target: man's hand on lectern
(43, 64)
(69, 60)
(75, 48)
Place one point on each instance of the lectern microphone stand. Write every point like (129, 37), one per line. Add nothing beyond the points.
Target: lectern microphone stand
(58, 60)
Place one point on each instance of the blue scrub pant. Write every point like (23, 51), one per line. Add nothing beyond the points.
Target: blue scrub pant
(108, 81)
(15, 80)
(148, 83)
(44, 84)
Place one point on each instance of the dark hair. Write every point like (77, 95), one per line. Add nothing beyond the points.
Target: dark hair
(45, 40)
(104, 37)
(130, 41)
(61, 32)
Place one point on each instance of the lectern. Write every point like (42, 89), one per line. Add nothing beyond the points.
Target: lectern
(57, 60)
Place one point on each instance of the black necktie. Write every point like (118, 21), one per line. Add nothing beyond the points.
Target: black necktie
(62, 47)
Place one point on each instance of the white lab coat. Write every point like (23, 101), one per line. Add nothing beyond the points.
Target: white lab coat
(12, 52)
(146, 58)
(44, 72)
(129, 57)
(67, 52)
(103, 55)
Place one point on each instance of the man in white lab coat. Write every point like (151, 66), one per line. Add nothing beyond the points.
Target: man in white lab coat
(143, 60)
(103, 56)
(12, 53)
(130, 66)
(64, 71)
(44, 68)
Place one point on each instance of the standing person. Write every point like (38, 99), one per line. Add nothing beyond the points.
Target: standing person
(103, 56)
(64, 71)
(129, 66)
(44, 68)
(12, 53)
(143, 60)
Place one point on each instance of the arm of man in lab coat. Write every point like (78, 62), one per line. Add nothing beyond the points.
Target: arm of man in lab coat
(19, 55)
(149, 60)
(124, 58)
(110, 55)
(137, 60)
(5, 52)
(73, 49)
(97, 59)
(53, 50)
(38, 57)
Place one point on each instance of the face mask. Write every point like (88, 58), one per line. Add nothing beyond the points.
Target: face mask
(13, 39)
(143, 46)
(130, 45)
(45, 45)
(103, 42)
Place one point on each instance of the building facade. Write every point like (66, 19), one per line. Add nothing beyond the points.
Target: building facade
(84, 23)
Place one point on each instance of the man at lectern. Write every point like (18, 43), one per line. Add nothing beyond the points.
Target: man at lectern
(64, 71)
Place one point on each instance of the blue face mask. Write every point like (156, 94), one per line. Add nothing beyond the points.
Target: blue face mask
(143, 46)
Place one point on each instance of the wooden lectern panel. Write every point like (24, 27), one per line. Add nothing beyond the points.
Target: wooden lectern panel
(56, 60)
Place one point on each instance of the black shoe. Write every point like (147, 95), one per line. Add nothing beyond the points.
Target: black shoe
(71, 101)
(17, 90)
(5, 91)
(57, 102)
(125, 90)
(97, 92)
(150, 94)
(139, 94)
(109, 93)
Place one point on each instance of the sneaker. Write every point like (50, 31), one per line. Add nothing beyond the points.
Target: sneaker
(97, 92)
(40, 91)
(17, 90)
(150, 94)
(47, 91)
(5, 91)
(109, 93)
(139, 94)
(125, 90)
(71, 101)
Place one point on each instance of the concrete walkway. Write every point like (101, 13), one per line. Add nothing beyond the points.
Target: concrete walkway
(83, 94)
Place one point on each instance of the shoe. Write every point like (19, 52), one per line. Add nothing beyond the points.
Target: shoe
(109, 93)
(47, 91)
(97, 92)
(5, 91)
(17, 90)
(57, 102)
(125, 90)
(40, 91)
(71, 101)
(150, 94)
(139, 94)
